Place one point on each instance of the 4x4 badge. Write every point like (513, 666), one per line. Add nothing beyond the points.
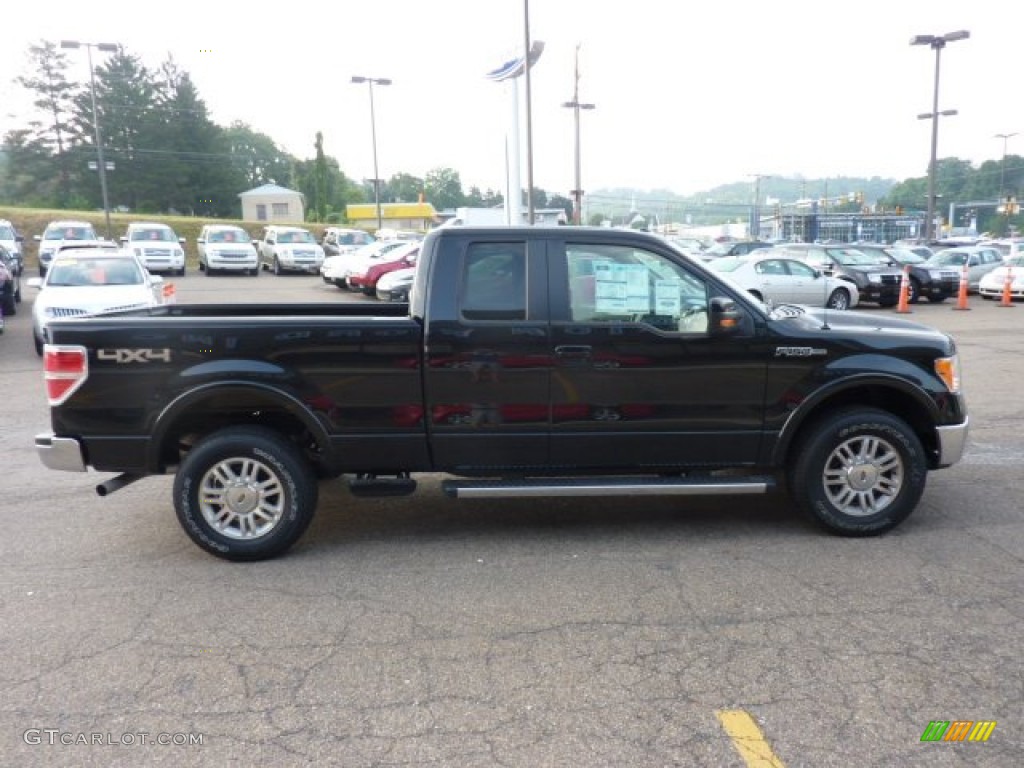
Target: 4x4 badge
(121, 356)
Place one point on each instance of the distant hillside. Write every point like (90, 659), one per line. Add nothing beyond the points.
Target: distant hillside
(612, 202)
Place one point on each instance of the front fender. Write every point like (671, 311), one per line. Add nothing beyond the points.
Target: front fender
(905, 389)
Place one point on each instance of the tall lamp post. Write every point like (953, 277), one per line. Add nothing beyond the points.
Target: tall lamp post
(576, 106)
(1002, 168)
(101, 165)
(370, 82)
(937, 43)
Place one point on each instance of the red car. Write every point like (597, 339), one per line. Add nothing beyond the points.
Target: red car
(366, 276)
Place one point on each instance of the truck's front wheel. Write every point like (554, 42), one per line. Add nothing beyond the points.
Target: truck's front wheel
(860, 472)
(245, 493)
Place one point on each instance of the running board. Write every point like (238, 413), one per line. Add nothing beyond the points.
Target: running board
(607, 486)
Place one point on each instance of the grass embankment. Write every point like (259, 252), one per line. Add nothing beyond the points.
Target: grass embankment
(32, 221)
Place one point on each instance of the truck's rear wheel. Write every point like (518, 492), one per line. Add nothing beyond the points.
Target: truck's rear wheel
(245, 493)
(860, 472)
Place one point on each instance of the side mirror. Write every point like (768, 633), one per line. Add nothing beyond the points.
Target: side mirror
(726, 318)
(123, 239)
(38, 238)
(20, 238)
(200, 240)
(181, 241)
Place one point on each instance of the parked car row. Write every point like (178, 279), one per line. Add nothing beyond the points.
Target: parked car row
(874, 270)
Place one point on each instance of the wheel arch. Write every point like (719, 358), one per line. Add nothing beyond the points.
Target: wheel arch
(208, 408)
(892, 395)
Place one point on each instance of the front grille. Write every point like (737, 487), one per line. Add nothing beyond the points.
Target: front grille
(233, 255)
(67, 312)
(158, 252)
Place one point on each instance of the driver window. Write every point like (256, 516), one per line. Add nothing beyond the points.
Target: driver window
(615, 284)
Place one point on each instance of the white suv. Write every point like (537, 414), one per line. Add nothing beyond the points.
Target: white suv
(226, 248)
(156, 246)
(59, 232)
(11, 240)
(290, 249)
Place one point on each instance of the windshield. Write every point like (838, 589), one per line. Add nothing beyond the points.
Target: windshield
(163, 235)
(94, 272)
(850, 257)
(228, 236)
(69, 233)
(949, 258)
(296, 237)
(904, 256)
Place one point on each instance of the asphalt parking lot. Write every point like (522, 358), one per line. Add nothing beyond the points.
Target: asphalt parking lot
(426, 632)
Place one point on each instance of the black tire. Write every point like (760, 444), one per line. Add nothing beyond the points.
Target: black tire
(255, 271)
(9, 304)
(38, 344)
(839, 299)
(913, 291)
(277, 266)
(937, 299)
(854, 461)
(275, 493)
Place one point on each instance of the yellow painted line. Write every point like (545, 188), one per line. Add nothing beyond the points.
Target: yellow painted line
(748, 739)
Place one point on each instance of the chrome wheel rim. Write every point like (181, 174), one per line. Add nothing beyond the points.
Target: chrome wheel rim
(241, 498)
(863, 476)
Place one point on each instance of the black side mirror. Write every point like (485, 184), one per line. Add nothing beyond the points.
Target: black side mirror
(726, 318)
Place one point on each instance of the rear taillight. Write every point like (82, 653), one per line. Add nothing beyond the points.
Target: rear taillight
(65, 369)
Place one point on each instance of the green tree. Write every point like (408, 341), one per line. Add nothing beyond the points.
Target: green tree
(404, 188)
(443, 188)
(256, 157)
(53, 94)
(125, 97)
(320, 176)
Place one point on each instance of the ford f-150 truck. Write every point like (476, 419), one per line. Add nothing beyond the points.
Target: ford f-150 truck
(529, 362)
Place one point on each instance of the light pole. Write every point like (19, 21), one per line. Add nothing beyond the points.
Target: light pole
(937, 43)
(576, 106)
(754, 227)
(1002, 168)
(370, 82)
(101, 165)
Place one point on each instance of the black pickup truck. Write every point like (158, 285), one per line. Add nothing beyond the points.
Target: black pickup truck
(529, 362)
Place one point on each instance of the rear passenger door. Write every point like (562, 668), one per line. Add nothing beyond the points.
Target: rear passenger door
(487, 356)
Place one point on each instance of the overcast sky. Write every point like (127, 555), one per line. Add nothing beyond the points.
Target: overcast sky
(688, 95)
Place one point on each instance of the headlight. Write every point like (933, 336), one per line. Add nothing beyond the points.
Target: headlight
(874, 278)
(948, 369)
(178, 253)
(139, 252)
(936, 274)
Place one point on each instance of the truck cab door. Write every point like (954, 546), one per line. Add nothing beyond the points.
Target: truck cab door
(487, 355)
(642, 377)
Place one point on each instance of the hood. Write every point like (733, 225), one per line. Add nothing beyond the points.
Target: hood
(90, 300)
(864, 325)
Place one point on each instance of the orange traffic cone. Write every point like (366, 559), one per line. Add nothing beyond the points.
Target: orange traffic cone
(904, 303)
(1007, 300)
(961, 299)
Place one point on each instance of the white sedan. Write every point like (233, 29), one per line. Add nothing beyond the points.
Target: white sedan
(335, 269)
(781, 280)
(992, 283)
(91, 281)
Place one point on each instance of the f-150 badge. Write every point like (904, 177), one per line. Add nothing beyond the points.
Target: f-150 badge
(800, 352)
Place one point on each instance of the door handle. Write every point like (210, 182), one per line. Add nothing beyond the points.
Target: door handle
(574, 351)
